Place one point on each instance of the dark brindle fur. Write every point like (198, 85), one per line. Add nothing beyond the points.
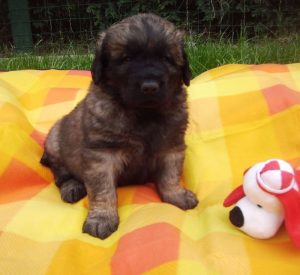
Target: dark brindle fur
(130, 127)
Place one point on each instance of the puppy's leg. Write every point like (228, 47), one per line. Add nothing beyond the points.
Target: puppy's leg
(71, 190)
(168, 182)
(100, 177)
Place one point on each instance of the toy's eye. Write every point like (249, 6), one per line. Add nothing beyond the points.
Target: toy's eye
(258, 205)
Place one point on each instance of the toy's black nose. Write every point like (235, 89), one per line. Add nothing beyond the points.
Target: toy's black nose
(150, 87)
(236, 217)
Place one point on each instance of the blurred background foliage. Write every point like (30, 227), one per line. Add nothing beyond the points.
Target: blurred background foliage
(65, 21)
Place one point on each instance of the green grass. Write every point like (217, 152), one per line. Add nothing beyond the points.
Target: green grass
(211, 54)
(55, 61)
(203, 54)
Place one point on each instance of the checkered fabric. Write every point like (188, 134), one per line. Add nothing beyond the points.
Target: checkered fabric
(239, 115)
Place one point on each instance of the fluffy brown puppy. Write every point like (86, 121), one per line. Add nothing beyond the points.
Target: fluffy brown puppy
(130, 127)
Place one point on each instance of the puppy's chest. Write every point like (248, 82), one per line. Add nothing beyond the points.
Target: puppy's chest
(155, 135)
(152, 136)
(136, 135)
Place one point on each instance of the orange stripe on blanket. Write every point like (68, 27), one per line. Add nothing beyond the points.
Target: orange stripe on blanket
(146, 194)
(19, 182)
(270, 68)
(38, 137)
(280, 97)
(76, 72)
(146, 248)
(56, 95)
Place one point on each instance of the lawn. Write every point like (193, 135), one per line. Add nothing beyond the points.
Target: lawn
(203, 54)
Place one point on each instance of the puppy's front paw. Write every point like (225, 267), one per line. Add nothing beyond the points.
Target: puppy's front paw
(182, 198)
(101, 226)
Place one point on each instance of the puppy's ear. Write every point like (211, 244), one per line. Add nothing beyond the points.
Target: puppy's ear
(97, 65)
(96, 69)
(186, 71)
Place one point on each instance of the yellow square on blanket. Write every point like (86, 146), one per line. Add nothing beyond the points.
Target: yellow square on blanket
(239, 115)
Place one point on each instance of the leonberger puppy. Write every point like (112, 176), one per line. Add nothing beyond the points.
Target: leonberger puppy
(130, 127)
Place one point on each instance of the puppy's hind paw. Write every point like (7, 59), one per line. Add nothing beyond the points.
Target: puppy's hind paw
(72, 191)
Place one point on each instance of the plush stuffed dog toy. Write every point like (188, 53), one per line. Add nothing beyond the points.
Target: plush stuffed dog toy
(270, 194)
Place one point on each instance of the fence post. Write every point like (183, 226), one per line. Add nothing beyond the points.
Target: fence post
(20, 25)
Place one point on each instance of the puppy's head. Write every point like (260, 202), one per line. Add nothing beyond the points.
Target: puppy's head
(141, 61)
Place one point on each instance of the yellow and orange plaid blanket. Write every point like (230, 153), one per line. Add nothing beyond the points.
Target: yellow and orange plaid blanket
(239, 115)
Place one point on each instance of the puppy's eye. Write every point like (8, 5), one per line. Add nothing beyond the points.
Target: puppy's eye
(167, 58)
(125, 59)
(258, 205)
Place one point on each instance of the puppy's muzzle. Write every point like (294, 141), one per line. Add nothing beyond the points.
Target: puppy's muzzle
(236, 217)
(150, 87)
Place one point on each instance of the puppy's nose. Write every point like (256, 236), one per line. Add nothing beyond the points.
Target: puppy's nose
(236, 217)
(149, 87)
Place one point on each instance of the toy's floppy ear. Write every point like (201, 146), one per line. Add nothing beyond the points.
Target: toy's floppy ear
(234, 196)
(291, 205)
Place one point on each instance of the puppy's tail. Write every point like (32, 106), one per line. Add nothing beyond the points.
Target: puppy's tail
(45, 160)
